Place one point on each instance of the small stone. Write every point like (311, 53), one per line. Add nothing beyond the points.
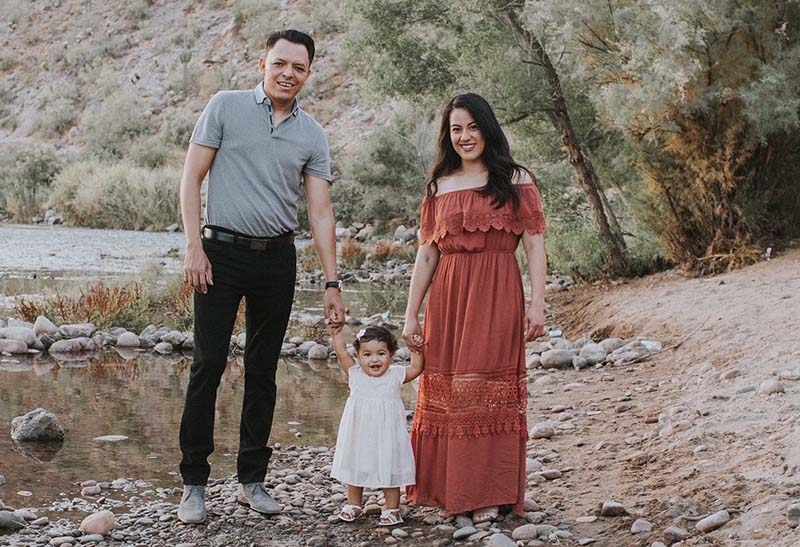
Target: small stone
(98, 523)
(793, 514)
(557, 358)
(500, 540)
(23, 334)
(641, 526)
(525, 532)
(674, 534)
(37, 425)
(586, 541)
(111, 438)
(586, 519)
(399, 533)
(92, 538)
(90, 491)
(770, 387)
(164, 348)
(318, 351)
(612, 344)
(127, 340)
(728, 374)
(464, 532)
(593, 353)
(542, 430)
(612, 509)
(712, 522)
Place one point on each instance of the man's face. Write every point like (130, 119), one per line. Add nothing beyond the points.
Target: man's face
(286, 69)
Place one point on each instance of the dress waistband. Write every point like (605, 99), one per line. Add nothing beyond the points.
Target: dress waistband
(475, 252)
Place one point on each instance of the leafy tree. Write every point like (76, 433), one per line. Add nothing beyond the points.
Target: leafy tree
(428, 50)
(708, 93)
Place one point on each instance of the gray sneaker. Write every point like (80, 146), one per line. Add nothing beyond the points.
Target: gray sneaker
(254, 496)
(192, 509)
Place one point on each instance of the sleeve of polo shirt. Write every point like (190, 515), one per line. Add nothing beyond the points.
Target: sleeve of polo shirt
(208, 130)
(319, 164)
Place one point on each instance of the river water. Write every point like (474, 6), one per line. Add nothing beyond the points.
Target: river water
(135, 394)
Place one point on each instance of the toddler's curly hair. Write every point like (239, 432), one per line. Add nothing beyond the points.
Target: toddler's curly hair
(381, 334)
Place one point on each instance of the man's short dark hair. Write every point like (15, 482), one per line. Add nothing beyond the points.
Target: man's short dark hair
(294, 36)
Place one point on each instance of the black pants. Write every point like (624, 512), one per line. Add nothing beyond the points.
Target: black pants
(266, 280)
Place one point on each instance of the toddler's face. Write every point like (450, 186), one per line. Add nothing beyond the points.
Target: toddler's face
(374, 357)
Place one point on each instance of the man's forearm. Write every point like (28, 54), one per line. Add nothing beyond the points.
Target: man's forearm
(190, 210)
(323, 230)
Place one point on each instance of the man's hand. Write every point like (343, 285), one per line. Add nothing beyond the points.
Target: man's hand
(334, 309)
(197, 269)
(534, 322)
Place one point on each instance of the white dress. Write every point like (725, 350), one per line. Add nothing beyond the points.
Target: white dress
(373, 448)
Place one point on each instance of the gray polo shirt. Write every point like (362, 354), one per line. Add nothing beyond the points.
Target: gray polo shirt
(254, 180)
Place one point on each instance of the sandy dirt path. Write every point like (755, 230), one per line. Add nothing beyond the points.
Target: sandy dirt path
(686, 432)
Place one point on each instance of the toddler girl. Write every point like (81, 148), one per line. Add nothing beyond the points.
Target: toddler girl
(373, 448)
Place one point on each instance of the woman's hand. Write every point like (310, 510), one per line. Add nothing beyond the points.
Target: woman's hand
(412, 334)
(534, 322)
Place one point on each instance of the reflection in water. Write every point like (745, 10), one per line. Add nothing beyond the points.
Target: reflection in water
(139, 395)
(39, 452)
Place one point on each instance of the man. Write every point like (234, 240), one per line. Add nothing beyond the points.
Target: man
(256, 146)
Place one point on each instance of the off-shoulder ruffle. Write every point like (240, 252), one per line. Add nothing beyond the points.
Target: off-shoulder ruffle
(441, 217)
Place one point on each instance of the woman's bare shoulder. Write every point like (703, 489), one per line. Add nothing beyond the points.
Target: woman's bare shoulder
(521, 177)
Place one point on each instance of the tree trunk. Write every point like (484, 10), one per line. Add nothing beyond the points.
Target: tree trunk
(584, 171)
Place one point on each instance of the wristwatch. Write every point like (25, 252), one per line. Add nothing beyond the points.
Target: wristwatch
(337, 284)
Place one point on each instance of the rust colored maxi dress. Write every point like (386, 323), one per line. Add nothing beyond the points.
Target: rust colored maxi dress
(469, 431)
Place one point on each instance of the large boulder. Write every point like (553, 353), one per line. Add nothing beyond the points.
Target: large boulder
(37, 425)
(13, 346)
(611, 344)
(127, 340)
(10, 521)
(73, 345)
(78, 330)
(593, 353)
(557, 358)
(23, 334)
(44, 326)
(174, 337)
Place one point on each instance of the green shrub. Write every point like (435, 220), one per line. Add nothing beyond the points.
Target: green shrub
(384, 181)
(177, 125)
(111, 127)
(99, 194)
(8, 60)
(26, 173)
(152, 151)
(58, 115)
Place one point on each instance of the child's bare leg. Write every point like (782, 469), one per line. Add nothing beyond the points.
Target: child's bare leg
(392, 496)
(355, 494)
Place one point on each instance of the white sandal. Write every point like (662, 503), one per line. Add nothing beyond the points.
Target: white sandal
(390, 517)
(349, 512)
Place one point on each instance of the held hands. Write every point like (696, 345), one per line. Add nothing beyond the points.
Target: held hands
(334, 310)
(412, 336)
(533, 323)
(197, 269)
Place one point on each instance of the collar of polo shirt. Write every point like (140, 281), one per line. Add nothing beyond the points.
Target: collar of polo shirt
(261, 97)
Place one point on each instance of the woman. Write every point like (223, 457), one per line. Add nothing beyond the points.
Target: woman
(469, 430)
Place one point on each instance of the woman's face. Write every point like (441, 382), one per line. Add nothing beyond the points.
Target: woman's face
(465, 135)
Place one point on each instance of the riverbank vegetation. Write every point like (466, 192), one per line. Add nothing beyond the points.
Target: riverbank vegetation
(675, 150)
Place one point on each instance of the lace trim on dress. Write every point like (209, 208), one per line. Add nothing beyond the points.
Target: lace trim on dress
(471, 405)
(458, 223)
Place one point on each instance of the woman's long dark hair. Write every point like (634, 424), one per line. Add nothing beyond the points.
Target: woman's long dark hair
(496, 153)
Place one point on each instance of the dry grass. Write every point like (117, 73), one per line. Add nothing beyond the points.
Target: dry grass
(128, 306)
(388, 250)
(352, 254)
(96, 194)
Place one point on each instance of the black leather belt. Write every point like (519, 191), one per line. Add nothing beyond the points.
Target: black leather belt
(240, 240)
